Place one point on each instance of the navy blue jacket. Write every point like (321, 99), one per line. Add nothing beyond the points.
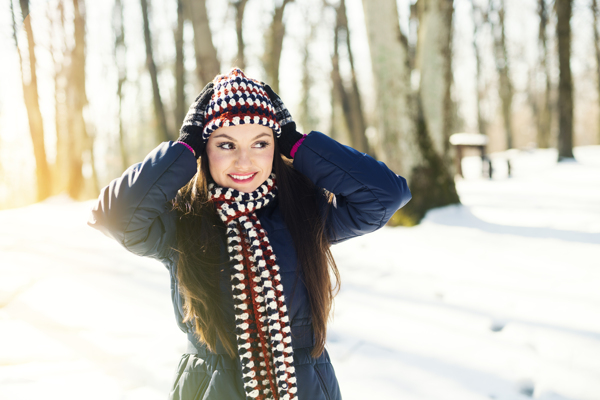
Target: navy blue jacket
(134, 210)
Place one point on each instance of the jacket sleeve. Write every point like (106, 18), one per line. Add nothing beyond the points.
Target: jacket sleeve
(133, 209)
(367, 193)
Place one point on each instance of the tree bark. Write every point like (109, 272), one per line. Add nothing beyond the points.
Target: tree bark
(340, 126)
(405, 144)
(597, 51)
(544, 109)
(505, 87)
(434, 62)
(180, 104)
(30, 94)
(349, 98)
(240, 6)
(479, 17)
(274, 45)
(207, 63)
(120, 61)
(355, 114)
(159, 110)
(565, 84)
(60, 175)
(306, 117)
(80, 141)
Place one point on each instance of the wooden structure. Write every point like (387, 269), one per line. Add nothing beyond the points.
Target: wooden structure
(472, 140)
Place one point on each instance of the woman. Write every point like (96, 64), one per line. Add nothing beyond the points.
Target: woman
(246, 239)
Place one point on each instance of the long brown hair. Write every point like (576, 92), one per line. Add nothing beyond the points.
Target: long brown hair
(200, 235)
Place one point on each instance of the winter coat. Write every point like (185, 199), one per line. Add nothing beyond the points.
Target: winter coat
(135, 210)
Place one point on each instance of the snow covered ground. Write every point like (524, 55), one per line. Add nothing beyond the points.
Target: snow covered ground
(498, 298)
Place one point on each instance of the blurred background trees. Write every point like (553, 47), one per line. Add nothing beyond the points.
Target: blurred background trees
(100, 84)
(28, 65)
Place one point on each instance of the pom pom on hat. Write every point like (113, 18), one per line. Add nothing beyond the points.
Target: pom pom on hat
(239, 100)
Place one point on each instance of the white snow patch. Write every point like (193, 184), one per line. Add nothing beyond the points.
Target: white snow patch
(496, 298)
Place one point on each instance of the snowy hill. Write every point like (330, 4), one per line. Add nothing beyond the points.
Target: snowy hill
(498, 298)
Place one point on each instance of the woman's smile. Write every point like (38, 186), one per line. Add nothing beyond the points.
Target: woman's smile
(242, 178)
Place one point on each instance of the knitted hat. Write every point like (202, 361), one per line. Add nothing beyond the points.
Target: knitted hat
(239, 100)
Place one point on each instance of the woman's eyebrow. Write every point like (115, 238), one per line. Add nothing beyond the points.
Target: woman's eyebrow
(225, 136)
(261, 135)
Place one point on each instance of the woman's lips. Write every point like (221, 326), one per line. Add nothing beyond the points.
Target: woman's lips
(242, 178)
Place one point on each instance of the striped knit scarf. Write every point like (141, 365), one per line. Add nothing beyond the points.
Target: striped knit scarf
(262, 323)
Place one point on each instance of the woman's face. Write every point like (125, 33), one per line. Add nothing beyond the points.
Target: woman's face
(241, 156)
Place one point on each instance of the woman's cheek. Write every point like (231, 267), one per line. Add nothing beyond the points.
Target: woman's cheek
(218, 161)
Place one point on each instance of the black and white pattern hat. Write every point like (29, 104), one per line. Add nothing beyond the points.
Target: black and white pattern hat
(239, 100)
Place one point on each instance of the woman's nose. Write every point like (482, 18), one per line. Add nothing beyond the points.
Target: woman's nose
(243, 160)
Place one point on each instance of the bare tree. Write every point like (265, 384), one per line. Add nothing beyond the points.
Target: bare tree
(59, 54)
(349, 98)
(180, 104)
(565, 84)
(239, 7)
(30, 94)
(412, 35)
(306, 116)
(120, 51)
(80, 142)
(434, 62)
(273, 46)
(159, 110)
(207, 63)
(405, 144)
(505, 86)
(544, 109)
(595, 12)
(479, 16)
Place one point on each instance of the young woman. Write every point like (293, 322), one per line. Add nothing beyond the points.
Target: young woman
(246, 238)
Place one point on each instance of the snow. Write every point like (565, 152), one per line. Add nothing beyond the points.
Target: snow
(497, 298)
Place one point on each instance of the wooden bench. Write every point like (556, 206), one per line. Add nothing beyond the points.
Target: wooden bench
(473, 140)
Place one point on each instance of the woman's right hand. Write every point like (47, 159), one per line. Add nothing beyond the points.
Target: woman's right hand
(193, 123)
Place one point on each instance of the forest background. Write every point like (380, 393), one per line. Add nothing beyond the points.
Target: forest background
(89, 88)
(496, 297)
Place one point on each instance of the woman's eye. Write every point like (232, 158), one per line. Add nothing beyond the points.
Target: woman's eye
(226, 146)
(261, 145)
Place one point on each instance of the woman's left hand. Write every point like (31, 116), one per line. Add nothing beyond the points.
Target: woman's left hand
(289, 135)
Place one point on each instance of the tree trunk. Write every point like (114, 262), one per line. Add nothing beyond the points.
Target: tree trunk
(30, 94)
(434, 62)
(80, 141)
(340, 126)
(404, 145)
(180, 104)
(274, 45)
(505, 87)
(60, 173)
(479, 17)
(120, 61)
(534, 96)
(347, 99)
(240, 6)
(306, 117)
(207, 63)
(597, 50)
(354, 112)
(565, 84)
(544, 110)
(159, 110)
